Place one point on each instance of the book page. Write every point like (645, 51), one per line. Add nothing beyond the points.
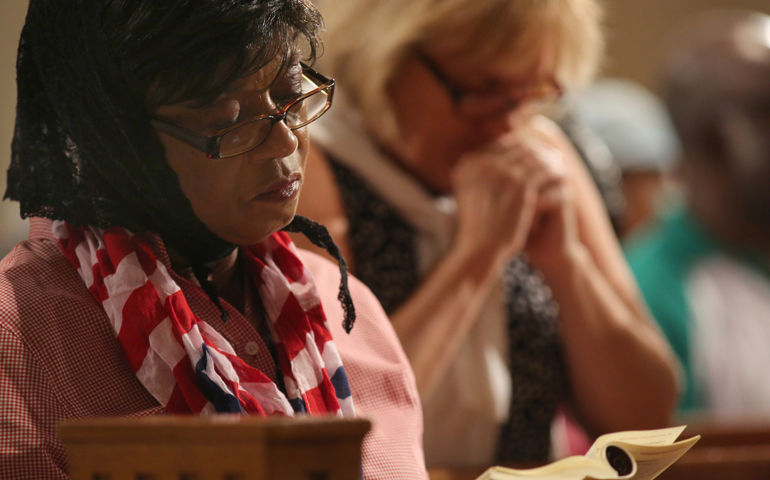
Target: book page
(663, 436)
(652, 452)
(652, 460)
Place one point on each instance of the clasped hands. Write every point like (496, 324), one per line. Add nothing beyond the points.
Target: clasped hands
(514, 196)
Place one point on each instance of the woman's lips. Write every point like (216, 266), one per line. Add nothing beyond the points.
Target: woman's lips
(282, 191)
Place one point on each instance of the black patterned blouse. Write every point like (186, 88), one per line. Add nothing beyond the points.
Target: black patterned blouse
(384, 246)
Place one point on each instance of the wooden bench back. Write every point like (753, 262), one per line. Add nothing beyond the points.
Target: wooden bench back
(222, 447)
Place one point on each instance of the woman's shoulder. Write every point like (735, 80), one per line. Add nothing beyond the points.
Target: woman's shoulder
(28, 252)
(380, 377)
(39, 286)
(372, 329)
(29, 262)
(326, 275)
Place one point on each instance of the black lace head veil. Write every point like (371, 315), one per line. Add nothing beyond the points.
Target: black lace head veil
(88, 72)
(83, 148)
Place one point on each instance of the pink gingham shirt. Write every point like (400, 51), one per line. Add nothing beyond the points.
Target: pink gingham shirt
(59, 359)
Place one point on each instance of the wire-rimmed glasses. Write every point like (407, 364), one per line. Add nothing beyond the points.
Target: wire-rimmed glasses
(247, 135)
(479, 104)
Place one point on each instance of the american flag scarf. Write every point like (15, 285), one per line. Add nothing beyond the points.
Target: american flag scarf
(181, 360)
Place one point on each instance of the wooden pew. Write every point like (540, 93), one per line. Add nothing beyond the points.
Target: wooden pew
(728, 434)
(727, 450)
(720, 463)
(455, 473)
(221, 447)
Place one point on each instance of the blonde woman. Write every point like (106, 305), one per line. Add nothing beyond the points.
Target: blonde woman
(471, 218)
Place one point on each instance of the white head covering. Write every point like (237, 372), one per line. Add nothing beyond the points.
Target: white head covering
(631, 120)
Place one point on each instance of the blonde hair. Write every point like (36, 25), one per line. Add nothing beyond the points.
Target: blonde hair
(367, 40)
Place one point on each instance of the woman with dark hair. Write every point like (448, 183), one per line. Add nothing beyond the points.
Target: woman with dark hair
(160, 151)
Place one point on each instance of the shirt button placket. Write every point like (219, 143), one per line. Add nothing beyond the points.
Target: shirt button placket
(252, 348)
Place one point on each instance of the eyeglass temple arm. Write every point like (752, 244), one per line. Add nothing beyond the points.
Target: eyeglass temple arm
(195, 140)
(315, 76)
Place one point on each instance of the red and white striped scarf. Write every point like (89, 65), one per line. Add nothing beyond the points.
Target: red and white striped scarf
(186, 364)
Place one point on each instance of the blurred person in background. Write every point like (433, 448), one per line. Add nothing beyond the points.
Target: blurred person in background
(471, 218)
(705, 270)
(635, 127)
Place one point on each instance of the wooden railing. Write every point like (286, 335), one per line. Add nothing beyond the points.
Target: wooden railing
(221, 447)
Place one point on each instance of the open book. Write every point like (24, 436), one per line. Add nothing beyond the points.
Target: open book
(639, 455)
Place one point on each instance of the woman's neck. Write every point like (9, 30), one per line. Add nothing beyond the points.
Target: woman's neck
(226, 274)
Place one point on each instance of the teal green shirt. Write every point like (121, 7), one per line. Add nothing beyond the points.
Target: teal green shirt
(662, 260)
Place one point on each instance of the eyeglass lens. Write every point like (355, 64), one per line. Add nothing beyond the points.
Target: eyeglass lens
(535, 98)
(250, 135)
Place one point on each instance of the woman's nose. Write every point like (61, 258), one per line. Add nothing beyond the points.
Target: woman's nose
(503, 123)
(281, 142)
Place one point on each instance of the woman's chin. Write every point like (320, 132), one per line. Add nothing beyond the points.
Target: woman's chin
(251, 234)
